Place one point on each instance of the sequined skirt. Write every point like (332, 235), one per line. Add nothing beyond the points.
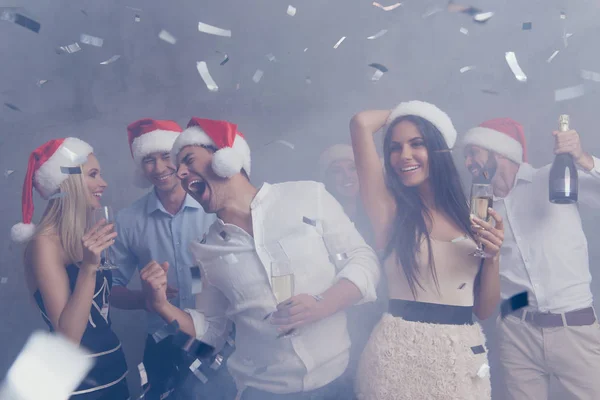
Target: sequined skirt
(423, 361)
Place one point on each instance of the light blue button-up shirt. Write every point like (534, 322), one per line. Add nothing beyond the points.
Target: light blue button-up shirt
(146, 232)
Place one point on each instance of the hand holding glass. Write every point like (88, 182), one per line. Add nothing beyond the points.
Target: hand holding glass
(481, 200)
(99, 214)
(282, 281)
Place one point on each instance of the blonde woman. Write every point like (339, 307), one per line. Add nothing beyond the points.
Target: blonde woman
(62, 259)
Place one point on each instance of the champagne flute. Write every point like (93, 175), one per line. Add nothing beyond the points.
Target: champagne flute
(106, 213)
(282, 281)
(481, 199)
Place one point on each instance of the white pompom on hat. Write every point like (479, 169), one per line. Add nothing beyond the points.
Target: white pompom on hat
(427, 111)
(45, 174)
(233, 154)
(147, 136)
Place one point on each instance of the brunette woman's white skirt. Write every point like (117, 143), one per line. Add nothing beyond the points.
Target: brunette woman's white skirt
(423, 361)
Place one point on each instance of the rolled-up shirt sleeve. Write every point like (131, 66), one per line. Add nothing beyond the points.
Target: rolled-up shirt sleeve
(353, 258)
(124, 259)
(589, 185)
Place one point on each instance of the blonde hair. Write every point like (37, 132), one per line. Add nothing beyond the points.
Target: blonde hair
(67, 217)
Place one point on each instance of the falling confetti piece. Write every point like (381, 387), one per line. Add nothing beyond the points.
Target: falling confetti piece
(167, 37)
(11, 14)
(291, 11)
(432, 11)
(511, 59)
(489, 91)
(462, 286)
(464, 31)
(549, 60)
(143, 375)
(377, 75)
(526, 26)
(225, 60)
(41, 82)
(514, 303)
(484, 371)
(306, 49)
(566, 37)
(563, 15)
(3, 280)
(308, 80)
(205, 75)
(111, 60)
(213, 30)
(257, 76)
(271, 57)
(387, 8)
(84, 12)
(339, 42)
(137, 18)
(467, 68)
(590, 75)
(69, 49)
(285, 143)
(569, 93)
(8, 173)
(379, 67)
(134, 9)
(12, 106)
(483, 17)
(91, 40)
(378, 34)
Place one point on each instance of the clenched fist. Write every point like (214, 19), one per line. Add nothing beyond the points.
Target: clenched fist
(154, 284)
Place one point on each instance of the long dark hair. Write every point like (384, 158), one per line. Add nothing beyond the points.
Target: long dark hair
(410, 225)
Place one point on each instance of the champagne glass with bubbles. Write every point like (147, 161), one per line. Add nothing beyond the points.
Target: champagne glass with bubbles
(481, 200)
(282, 279)
(107, 258)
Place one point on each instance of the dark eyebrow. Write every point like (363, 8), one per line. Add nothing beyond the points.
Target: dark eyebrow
(185, 159)
(415, 139)
(93, 170)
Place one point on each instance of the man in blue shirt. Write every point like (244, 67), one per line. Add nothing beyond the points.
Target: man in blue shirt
(157, 227)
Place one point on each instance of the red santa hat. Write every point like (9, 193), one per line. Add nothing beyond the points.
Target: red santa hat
(431, 113)
(147, 136)
(45, 174)
(233, 153)
(500, 135)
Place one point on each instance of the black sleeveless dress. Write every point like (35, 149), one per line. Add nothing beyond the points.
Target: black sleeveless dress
(107, 379)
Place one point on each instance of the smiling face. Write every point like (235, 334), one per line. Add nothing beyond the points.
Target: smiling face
(342, 179)
(408, 155)
(160, 171)
(94, 182)
(198, 178)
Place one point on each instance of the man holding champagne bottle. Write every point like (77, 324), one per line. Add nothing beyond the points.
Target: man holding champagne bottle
(544, 253)
(282, 262)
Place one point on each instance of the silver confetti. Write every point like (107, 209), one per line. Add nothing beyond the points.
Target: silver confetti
(339, 42)
(12, 14)
(549, 60)
(217, 362)
(378, 34)
(69, 49)
(483, 17)
(271, 57)
(291, 11)
(8, 172)
(137, 18)
(309, 221)
(143, 374)
(569, 93)
(467, 68)
(484, 371)
(387, 8)
(511, 59)
(335, 258)
(205, 75)
(566, 37)
(462, 286)
(213, 30)
(167, 37)
(194, 368)
(257, 76)
(41, 82)
(285, 143)
(464, 31)
(305, 49)
(590, 75)
(225, 59)
(111, 60)
(431, 12)
(377, 75)
(91, 40)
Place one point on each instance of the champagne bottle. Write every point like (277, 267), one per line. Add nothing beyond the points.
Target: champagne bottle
(563, 183)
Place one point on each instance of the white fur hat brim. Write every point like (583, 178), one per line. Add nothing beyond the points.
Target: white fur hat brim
(498, 142)
(226, 162)
(427, 111)
(152, 142)
(72, 153)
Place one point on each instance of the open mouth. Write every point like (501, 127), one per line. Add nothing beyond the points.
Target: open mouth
(97, 194)
(197, 187)
(349, 184)
(410, 169)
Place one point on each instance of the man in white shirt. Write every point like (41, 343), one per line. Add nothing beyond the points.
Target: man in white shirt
(289, 349)
(545, 253)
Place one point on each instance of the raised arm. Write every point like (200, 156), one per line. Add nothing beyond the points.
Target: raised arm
(379, 203)
(68, 311)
